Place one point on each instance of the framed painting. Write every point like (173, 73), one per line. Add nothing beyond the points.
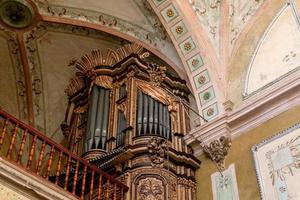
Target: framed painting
(277, 164)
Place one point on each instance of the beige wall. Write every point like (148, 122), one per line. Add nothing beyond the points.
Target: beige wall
(241, 57)
(241, 155)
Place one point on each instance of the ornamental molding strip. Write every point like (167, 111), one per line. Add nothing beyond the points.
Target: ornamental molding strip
(255, 111)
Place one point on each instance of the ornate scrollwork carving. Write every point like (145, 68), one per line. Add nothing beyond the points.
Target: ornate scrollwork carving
(155, 92)
(157, 148)
(66, 129)
(104, 81)
(150, 189)
(85, 66)
(75, 85)
(217, 151)
(157, 74)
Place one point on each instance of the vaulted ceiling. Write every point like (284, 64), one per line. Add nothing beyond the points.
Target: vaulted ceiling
(208, 43)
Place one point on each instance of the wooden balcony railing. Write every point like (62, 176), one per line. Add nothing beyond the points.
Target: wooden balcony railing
(34, 152)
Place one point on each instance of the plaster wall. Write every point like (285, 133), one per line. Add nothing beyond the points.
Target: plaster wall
(241, 58)
(8, 90)
(241, 155)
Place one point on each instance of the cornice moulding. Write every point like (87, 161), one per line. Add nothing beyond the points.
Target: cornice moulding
(256, 110)
(27, 181)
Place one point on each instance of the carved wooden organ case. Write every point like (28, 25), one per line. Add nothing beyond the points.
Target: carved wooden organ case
(126, 115)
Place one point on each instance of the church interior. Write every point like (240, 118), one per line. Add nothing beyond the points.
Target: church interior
(150, 99)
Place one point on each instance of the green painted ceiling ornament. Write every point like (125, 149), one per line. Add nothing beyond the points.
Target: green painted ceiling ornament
(16, 13)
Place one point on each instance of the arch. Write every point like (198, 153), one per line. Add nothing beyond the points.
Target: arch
(239, 63)
(269, 63)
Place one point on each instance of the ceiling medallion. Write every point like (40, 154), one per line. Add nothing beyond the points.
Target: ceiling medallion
(187, 46)
(195, 62)
(179, 29)
(16, 13)
(201, 80)
(170, 13)
(206, 96)
(210, 112)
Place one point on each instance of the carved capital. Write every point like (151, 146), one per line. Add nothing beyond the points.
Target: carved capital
(217, 151)
(228, 106)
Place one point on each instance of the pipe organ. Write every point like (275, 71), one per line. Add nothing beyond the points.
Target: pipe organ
(127, 115)
(153, 117)
(97, 124)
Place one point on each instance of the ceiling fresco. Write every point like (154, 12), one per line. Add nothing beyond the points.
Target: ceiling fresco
(11, 77)
(241, 12)
(131, 17)
(208, 13)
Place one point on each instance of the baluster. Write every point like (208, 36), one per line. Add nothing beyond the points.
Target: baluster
(31, 152)
(12, 142)
(67, 172)
(50, 162)
(58, 167)
(100, 187)
(75, 178)
(38, 168)
(22, 146)
(115, 191)
(122, 194)
(83, 181)
(3, 132)
(92, 185)
(107, 189)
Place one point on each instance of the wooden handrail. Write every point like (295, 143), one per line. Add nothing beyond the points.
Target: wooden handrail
(70, 172)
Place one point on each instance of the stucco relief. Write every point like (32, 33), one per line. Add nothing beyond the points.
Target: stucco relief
(208, 13)
(241, 12)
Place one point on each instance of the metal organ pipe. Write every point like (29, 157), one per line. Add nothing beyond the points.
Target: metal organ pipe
(105, 120)
(153, 117)
(91, 123)
(97, 119)
(140, 112)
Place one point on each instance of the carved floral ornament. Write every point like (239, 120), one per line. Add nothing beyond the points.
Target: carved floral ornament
(157, 148)
(157, 74)
(218, 150)
(150, 188)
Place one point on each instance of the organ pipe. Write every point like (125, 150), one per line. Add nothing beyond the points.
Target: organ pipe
(97, 119)
(153, 117)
